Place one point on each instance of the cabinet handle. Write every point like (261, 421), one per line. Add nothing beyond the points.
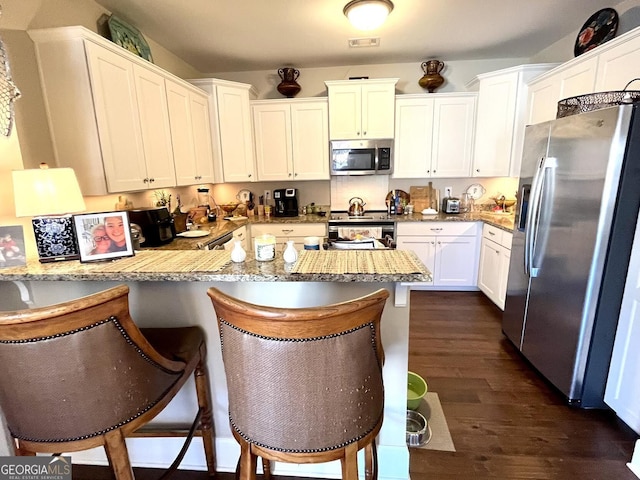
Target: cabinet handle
(439, 243)
(151, 180)
(435, 229)
(491, 233)
(287, 231)
(249, 175)
(146, 180)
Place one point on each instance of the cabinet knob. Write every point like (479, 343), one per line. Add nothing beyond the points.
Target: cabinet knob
(151, 180)
(146, 180)
(477, 170)
(249, 175)
(364, 133)
(358, 133)
(434, 171)
(295, 174)
(289, 174)
(428, 171)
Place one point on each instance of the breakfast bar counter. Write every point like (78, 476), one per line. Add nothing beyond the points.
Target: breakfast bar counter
(168, 288)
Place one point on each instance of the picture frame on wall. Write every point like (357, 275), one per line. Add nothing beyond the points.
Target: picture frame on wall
(103, 236)
(12, 251)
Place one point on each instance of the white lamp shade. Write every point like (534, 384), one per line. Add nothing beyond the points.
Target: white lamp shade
(46, 191)
(367, 14)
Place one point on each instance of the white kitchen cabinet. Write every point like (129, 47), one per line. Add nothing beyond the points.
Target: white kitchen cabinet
(448, 249)
(288, 231)
(232, 133)
(190, 134)
(623, 384)
(493, 271)
(361, 108)
(434, 135)
(609, 66)
(108, 112)
(500, 119)
(291, 139)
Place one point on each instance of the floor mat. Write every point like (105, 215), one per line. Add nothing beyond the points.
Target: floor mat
(440, 437)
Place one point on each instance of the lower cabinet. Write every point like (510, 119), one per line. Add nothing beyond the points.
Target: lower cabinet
(241, 235)
(448, 249)
(288, 231)
(493, 271)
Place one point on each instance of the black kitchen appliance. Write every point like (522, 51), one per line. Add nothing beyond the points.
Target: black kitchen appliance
(156, 224)
(286, 202)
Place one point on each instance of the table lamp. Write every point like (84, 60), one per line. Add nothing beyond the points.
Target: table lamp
(50, 195)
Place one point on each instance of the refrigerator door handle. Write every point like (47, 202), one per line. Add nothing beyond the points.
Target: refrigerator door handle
(533, 215)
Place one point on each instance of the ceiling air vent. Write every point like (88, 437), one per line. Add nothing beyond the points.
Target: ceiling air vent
(364, 42)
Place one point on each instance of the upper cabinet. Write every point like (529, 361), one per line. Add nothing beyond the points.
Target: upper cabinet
(190, 134)
(361, 108)
(434, 135)
(109, 113)
(608, 67)
(292, 139)
(231, 126)
(502, 102)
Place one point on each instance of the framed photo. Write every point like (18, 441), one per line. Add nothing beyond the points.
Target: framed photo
(12, 253)
(103, 236)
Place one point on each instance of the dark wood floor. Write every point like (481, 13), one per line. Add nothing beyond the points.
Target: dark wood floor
(505, 421)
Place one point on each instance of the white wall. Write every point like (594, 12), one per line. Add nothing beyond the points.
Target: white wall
(562, 50)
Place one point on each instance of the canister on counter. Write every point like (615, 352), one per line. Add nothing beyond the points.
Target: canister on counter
(312, 243)
(265, 247)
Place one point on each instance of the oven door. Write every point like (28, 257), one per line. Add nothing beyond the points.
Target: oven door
(384, 232)
(353, 158)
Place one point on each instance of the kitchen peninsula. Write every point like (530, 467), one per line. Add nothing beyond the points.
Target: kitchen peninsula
(168, 288)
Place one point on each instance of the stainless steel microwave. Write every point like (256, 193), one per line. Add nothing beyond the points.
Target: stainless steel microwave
(362, 157)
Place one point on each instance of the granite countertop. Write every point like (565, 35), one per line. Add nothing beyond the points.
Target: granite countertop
(222, 227)
(250, 270)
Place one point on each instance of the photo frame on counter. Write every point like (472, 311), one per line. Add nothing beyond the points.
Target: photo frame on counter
(103, 236)
(12, 252)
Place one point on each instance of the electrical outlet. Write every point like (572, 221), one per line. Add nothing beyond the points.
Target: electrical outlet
(267, 196)
(447, 191)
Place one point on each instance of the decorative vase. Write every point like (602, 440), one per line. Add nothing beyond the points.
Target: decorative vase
(431, 78)
(289, 87)
(290, 253)
(238, 254)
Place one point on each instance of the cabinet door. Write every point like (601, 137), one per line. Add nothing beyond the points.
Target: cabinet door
(310, 140)
(272, 127)
(116, 106)
(543, 100)
(505, 259)
(578, 79)
(413, 137)
(154, 124)
(378, 110)
(236, 139)
(453, 136)
(456, 261)
(489, 270)
(618, 65)
(181, 134)
(423, 247)
(203, 145)
(345, 112)
(495, 125)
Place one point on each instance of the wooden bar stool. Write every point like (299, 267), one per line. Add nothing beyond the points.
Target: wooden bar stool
(81, 374)
(305, 384)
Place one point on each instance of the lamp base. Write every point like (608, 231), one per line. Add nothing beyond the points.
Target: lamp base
(55, 238)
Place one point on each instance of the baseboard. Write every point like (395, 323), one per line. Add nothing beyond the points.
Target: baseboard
(393, 462)
(634, 465)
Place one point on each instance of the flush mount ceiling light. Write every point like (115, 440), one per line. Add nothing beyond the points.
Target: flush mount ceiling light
(367, 14)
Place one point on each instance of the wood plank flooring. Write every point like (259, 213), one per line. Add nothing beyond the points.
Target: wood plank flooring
(506, 422)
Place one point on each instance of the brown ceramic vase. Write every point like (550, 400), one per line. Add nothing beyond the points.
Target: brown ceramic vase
(289, 87)
(431, 78)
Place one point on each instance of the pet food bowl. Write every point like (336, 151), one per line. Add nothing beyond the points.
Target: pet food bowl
(416, 390)
(417, 433)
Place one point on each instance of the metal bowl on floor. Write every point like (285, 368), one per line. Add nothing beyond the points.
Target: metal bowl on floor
(418, 433)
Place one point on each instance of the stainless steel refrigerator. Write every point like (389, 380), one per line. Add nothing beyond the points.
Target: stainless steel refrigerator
(578, 201)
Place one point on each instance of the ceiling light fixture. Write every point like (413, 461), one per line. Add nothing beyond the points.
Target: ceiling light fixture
(367, 14)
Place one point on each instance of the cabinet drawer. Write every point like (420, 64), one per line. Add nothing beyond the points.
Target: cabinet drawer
(289, 229)
(492, 233)
(437, 228)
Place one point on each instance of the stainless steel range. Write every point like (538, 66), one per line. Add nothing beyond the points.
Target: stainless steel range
(376, 223)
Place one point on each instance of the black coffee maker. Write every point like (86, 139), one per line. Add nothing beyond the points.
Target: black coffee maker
(286, 202)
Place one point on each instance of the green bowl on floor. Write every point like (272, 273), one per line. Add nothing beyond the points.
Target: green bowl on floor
(416, 390)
